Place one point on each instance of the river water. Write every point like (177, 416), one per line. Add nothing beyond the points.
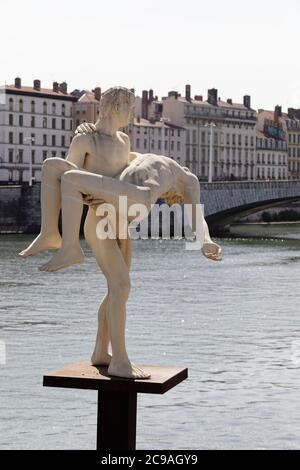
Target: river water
(235, 325)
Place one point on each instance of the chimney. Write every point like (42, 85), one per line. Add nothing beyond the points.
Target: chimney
(291, 113)
(277, 113)
(198, 98)
(63, 88)
(188, 92)
(229, 101)
(55, 87)
(145, 104)
(18, 83)
(97, 93)
(212, 96)
(37, 85)
(173, 93)
(151, 96)
(247, 101)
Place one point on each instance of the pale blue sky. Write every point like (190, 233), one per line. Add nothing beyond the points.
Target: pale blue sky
(236, 46)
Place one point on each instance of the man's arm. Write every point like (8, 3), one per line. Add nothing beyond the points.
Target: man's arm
(78, 150)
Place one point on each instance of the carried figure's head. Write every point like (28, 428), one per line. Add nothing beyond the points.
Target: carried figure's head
(117, 102)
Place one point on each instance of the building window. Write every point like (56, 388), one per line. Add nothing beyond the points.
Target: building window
(21, 107)
(53, 123)
(33, 107)
(145, 143)
(44, 122)
(11, 138)
(63, 154)
(21, 120)
(44, 155)
(63, 110)
(32, 139)
(137, 143)
(53, 108)
(45, 107)
(11, 104)
(53, 141)
(10, 156)
(45, 139)
(20, 156)
(33, 156)
(21, 138)
(53, 153)
(159, 145)
(11, 120)
(63, 124)
(63, 141)
(178, 146)
(172, 145)
(32, 121)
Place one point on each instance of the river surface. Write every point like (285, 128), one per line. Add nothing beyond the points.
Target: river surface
(235, 325)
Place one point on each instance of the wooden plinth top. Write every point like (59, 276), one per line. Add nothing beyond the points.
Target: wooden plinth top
(86, 376)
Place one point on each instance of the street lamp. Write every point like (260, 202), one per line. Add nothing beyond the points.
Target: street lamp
(31, 140)
(211, 125)
(163, 120)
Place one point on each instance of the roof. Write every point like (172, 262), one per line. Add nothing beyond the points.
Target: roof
(43, 92)
(146, 123)
(220, 103)
(88, 97)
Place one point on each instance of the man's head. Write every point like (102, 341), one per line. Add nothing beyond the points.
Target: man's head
(117, 101)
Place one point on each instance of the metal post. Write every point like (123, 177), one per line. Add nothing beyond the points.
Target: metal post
(30, 139)
(210, 167)
(116, 424)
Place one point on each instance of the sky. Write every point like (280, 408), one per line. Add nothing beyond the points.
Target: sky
(235, 46)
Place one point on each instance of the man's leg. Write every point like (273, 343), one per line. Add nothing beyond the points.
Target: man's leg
(49, 237)
(100, 356)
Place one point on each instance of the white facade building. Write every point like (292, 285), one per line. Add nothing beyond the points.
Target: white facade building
(35, 123)
(161, 138)
(272, 146)
(234, 135)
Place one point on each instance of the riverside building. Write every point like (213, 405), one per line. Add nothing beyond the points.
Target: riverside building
(35, 123)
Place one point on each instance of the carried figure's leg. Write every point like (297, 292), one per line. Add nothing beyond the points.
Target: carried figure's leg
(199, 226)
(49, 237)
(76, 184)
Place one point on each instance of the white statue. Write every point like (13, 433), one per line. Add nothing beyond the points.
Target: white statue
(100, 168)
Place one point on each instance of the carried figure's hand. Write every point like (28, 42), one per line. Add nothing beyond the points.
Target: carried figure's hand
(86, 128)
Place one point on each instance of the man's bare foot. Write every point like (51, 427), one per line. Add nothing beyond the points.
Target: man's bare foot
(102, 359)
(63, 258)
(127, 370)
(212, 251)
(42, 243)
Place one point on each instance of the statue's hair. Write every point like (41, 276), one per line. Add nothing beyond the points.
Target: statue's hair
(112, 97)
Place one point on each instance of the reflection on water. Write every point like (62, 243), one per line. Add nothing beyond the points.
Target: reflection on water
(235, 324)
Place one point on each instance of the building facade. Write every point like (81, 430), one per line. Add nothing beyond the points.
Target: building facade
(272, 145)
(232, 139)
(86, 109)
(35, 123)
(161, 138)
(292, 119)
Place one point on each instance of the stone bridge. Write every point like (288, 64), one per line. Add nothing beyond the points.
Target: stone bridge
(226, 202)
